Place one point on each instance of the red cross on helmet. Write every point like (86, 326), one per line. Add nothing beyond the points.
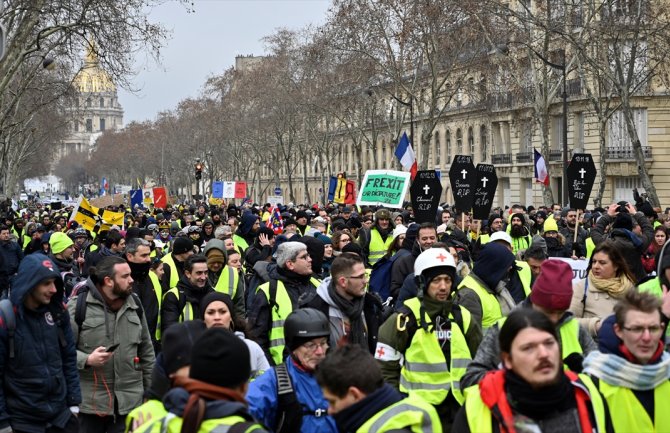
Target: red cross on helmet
(433, 258)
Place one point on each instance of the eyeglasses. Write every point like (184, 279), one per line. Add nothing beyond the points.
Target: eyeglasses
(639, 330)
(303, 257)
(357, 277)
(311, 346)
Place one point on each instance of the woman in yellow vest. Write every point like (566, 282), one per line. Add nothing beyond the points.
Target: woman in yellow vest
(551, 295)
(434, 338)
(532, 392)
(633, 369)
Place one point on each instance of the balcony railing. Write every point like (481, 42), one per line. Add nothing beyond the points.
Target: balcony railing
(556, 155)
(627, 152)
(524, 157)
(501, 158)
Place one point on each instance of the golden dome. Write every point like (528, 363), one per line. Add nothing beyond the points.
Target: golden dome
(91, 78)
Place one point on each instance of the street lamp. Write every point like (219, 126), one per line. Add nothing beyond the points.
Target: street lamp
(504, 49)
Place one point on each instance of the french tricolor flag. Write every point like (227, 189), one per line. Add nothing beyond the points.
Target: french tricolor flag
(541, 174)
(405, 154)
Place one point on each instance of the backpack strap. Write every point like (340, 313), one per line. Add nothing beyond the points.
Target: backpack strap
(273, 294)
(7, 311)
(586, 290)
(458, 317)
(289, 411)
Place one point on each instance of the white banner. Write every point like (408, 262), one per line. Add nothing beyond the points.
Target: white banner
(228, 189)
(578, 267)
(275, 200)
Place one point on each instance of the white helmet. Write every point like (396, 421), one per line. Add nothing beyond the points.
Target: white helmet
(501, 236)
(433, 258)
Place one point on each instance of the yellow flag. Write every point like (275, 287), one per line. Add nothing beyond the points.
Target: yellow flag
(93, 218)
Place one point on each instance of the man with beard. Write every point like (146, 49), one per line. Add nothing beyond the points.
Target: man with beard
(62, 251)
(17, 230)
(113, 343)
(495, 224)
(403, 266)
(577, 249)
(521, 238)
(376, 241)
(10, 250)
(182, 303)
(173, 263)
(146, 285)
(532, 392)
(557, 245)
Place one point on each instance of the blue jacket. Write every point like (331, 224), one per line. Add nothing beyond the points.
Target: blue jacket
(13, 254)
(41, 382)
(263, 400)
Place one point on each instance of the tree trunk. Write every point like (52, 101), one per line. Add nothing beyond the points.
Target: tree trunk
(639, 154)
(547, 193)
(602, 166)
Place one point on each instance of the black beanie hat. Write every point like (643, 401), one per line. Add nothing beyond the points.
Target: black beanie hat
(213, 297)
(220, 358)
(181, 245)
(301, 214)
(178, 342)
(623, 221)
(430, 273)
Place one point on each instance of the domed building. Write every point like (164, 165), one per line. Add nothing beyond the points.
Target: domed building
(97, 108)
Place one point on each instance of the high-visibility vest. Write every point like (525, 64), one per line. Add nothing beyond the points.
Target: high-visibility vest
(590, 246)
(377, 247)
(187, 313)
(484, 239)
(569, 334)
(218, 425)
(227, 282)
(280, 312)
(174, 274)
(525, 275)
(150, 415)
(410, 413)
(156, 284)
(424, 371)
(481, 421)
(628, 414)
(240, 243)
(491, 311)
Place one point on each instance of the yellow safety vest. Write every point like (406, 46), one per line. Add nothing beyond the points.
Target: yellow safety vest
(174, 274)
(484, 239)
(525, 275)
(411, 412)
(425, 371)
(480, 420)
(627, 413)
(156, 284)
(377, 247)
(218, 425)
(227, 282)
(187, 313)
(590, 246)
(491, 311)
(150, 414)
(240, 243)
(280, 312)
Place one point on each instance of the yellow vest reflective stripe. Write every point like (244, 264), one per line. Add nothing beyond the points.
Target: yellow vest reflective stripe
(187, 313)
(425, 371)
(156, 284)
(377, 246)
(480, 420)
(412, 412)
(484, 239)
(240, 243)
(227, 282)
(150, 415)
(280, 311)
(491, 311)
(217, 425)
(174, 275)
(525, 275)
(627, 413)
(590, 246)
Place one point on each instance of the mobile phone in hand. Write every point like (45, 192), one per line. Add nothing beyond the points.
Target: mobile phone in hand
(112, 348)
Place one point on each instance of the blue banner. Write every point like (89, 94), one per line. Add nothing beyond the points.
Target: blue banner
(136, 197)
(217, 189)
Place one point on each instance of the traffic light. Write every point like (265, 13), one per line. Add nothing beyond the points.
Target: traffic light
(198, 171)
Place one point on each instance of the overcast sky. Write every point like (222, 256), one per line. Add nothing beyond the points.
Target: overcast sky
(206, 42)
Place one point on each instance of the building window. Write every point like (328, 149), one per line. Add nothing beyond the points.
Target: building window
(102, 102)
(448, 139)
(557, 135)
(618, 136)
(102, 123)
(89, 125)
(471, 142)
(76, 126)
(484, 141)
(437, 148)
(623, 188)
(459, 141)
(88, 102)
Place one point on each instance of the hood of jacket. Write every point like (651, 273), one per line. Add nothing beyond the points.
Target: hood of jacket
(215, 244)
(492, 264)
(34, 269)
(247, 223)
(175, 402)
(626, 234)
